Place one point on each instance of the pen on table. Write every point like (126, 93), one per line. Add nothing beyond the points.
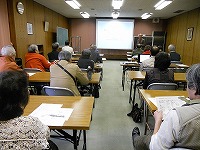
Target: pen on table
(56, 115)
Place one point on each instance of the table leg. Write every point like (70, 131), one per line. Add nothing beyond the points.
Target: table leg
(75, 139)
(84, 140)
(123, 76)
(134, 88)
(145, 117)
(131, 86)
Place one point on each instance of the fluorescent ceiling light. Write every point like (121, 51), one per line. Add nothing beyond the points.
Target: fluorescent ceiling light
(162, 3)
(146, 15)
(73, 3)
(117, 3)
(115, 14)
(85, 14)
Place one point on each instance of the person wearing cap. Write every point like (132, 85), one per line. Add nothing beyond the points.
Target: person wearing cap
(173, 54)
(85, 61)
(7, 59)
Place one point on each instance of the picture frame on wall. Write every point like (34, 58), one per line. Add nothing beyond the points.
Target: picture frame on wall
(29, 28)
(190, 33)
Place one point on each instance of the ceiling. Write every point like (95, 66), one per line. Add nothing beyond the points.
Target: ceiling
(130, 8)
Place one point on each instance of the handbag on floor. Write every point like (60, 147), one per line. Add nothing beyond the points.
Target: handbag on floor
(136, 114)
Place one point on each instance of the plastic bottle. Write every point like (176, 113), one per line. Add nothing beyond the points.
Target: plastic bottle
(89, 72)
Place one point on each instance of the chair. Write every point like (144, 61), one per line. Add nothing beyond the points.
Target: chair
(57, 91)
(162, 86)
(19, 62)
(156, 86)
(32, 70)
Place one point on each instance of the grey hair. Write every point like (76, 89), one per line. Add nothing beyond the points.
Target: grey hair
(193, 78)
(64, 55)
(171, 47)
(8, 50)
(32, 48)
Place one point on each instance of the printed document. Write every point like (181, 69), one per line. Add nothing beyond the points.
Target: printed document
(167, 103)
(52, 114)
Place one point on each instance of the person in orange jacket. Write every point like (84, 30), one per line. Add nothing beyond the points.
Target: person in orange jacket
(35, 60)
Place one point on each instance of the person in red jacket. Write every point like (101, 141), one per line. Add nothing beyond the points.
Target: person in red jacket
(7, 59)
(35, 60)
(147, 49)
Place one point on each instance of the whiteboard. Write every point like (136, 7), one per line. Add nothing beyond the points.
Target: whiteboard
(114, 34)
(62, 35)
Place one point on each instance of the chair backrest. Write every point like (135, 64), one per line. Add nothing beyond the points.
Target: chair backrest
(32, 70)
(176, 62)
(18, 62)
(179, 70)
(162, 86)
(57, 91)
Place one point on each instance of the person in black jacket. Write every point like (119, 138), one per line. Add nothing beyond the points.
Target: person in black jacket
(174, 56)
(85, 61)
(160, 73)
(95, 54)
(54, 54)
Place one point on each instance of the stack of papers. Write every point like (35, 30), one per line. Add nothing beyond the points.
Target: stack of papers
(30, 74)
(52, 114)
(130, 62)
(167, 103)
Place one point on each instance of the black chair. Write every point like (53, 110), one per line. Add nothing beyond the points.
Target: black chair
(162, 86)
(19, 62)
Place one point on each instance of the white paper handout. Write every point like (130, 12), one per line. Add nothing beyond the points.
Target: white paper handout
(52, 114)
(167, 103)
(30, 74)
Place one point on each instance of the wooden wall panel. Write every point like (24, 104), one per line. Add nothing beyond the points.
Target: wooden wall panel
(4, 25)
(196, 53)
(36, 14)
(176, 34)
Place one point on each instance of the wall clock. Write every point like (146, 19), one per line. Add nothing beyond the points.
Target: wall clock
(20, 8)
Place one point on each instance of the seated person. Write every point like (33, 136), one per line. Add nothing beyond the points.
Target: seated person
(68, 48)
(180, 129)
(160, 73)
(95, 54)
(85, 61)
(147, 49)
(17, 131)
(7, 59)
(137, 51)
(173, 54)
(149, 63)
(54, 54)
(59, 78)
(35, 60)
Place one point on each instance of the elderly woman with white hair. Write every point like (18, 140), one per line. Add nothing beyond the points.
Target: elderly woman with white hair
(35, 60)
(173, 54)
(59, 76)
(7, 59)
(181, 127)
